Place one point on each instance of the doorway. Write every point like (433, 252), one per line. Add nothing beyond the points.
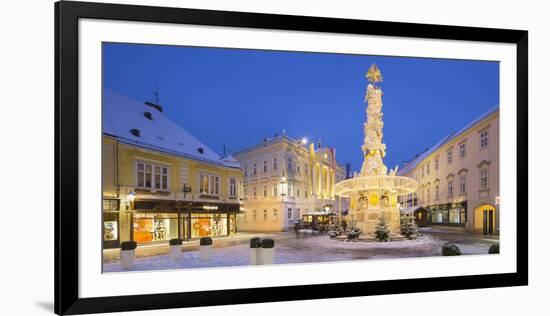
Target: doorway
(485, 219)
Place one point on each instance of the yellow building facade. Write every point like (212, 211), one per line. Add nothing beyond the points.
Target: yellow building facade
(458, 179)
(288, 181)
(159, 182)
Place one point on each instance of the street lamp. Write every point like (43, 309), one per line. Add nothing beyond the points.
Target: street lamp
(130, 197)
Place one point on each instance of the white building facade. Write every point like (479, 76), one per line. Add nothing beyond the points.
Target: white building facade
(458, 179)
(285, 179)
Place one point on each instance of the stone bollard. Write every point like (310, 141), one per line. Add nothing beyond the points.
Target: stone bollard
(205, 248)
(175, 248)
(255, 246)
(127, 254)
(267, 252)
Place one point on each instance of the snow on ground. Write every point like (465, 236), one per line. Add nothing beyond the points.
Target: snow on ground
(307, 247)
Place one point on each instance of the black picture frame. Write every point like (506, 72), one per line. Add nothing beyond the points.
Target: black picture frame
(67, 15)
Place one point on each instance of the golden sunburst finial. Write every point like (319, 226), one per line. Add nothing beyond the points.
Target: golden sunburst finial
(373, 74)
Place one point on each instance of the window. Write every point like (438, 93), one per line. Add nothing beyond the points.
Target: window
(305, 194)
(209, 184)
(428, 168)
(422, 172)
(297, 193)
(265, 215)
(289, 215)
(306, 169)
(428, 193)
(275, 215)
(254, 214)
(289, 193)
(152, 176)
(450, 155)
(245, 171)
(436, 163)
(484, 179)
(254, 192)
(462, 150)
(463, 184)
(450, 188)
(245, 191)
(297, 214)
(298, 168)
(484, 139)
(265, 165)
(437, 191)
(275, 190)
(244, 216)
(274, 163)
(265, 190)
(232, 187)
(289, 164)
(254, 169)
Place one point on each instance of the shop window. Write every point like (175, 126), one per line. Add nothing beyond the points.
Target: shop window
(149, 227)
(110, 226)
(203, 225)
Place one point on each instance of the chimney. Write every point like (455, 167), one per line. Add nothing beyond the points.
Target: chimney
(154, 106)
(348, 170)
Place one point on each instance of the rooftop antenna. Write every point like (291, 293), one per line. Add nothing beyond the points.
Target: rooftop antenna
(156, 94)
(224, 147)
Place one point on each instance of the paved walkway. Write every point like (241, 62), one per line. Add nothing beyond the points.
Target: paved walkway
(302, 248)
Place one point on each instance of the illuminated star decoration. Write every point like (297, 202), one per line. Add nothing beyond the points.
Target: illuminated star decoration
(373, 74)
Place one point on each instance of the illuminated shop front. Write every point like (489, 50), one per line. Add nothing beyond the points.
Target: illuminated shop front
(111, 224)
(161, 221)
(452, 214)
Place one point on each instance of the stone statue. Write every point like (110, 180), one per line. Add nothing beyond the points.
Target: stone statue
(373, 148)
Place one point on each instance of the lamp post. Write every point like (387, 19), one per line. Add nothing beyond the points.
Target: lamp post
(283, 187)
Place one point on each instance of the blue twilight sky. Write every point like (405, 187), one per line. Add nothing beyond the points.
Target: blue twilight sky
(242, 96)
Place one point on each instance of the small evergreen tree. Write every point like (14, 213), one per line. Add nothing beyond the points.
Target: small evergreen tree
(408, 227)
(382, 231)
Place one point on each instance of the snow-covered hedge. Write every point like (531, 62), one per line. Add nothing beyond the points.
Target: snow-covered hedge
(450, 249)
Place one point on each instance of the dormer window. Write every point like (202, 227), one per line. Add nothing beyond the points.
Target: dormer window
(135, 132)
(148, 116)
(200, 150)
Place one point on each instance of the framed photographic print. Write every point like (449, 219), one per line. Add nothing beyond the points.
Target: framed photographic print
(209, 158)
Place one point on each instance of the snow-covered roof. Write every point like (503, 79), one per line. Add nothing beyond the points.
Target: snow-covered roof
(411, 165)
(133, 122)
